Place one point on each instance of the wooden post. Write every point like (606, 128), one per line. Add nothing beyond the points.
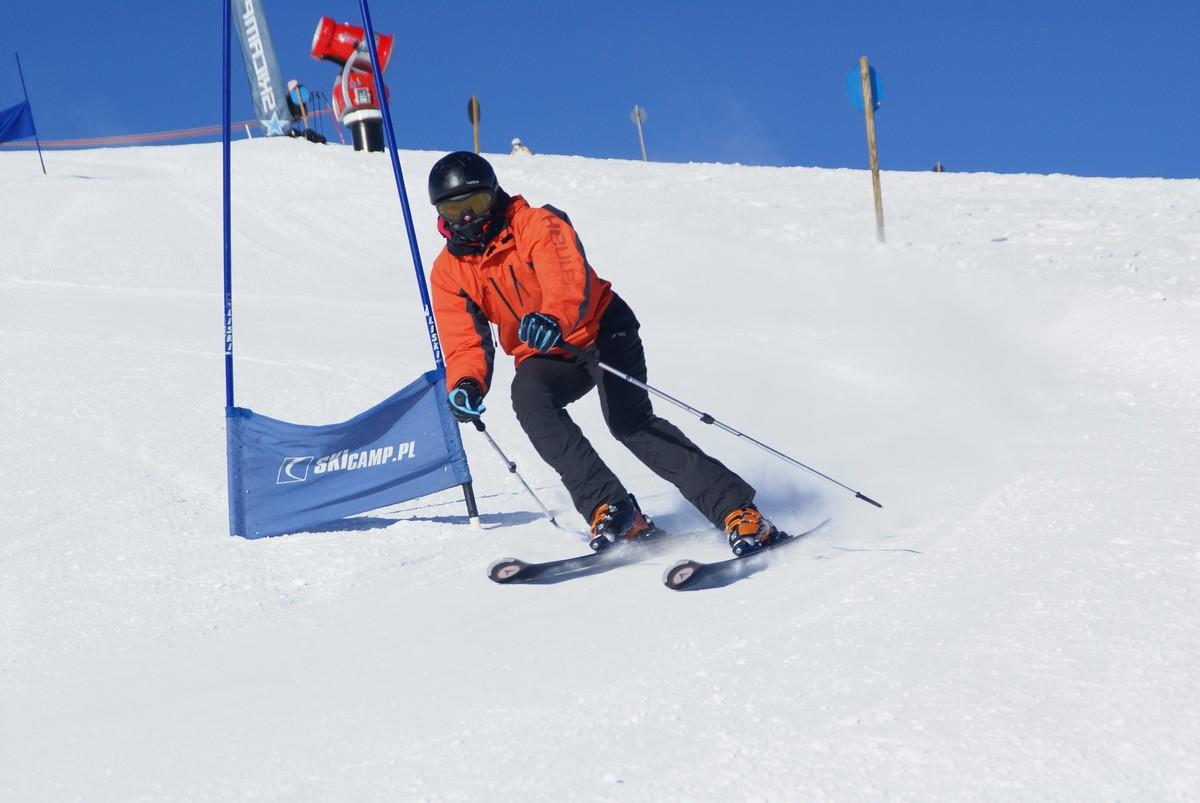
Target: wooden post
(473, 113)
(869, 106)
(639, 116)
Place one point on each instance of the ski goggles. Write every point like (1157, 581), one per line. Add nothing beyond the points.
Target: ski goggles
(456, 209)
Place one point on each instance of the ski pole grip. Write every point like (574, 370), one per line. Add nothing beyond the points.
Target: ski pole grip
(858, 495)
(479, 425)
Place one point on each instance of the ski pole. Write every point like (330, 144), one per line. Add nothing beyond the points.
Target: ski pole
(708, 419)
(512, 469)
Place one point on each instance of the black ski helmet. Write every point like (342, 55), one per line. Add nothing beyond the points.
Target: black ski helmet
(460, 173)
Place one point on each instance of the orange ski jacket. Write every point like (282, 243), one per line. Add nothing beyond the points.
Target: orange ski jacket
(536, 263)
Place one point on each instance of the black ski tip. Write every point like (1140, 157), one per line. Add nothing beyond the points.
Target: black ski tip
(680, 574)
(867, 499)
(505, 570)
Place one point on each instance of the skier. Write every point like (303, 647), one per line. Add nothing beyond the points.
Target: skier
(524, 269)
(297, 103)
(519, 148)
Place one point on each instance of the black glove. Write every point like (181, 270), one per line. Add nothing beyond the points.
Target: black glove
(540, 330)
(466, 401)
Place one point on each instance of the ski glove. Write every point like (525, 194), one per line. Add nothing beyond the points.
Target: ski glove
(540, 331)
(466, 401)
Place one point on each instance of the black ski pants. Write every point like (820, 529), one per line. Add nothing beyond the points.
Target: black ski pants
(544, 385)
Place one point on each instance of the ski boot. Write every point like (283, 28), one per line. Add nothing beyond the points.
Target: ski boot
(612, 521)
(748, 530)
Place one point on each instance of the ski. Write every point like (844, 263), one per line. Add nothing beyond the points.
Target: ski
(693, 574)
(515, 570)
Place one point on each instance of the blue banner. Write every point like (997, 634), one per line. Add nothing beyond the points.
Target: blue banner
(16, 122)
(290, 477)
(267, 87)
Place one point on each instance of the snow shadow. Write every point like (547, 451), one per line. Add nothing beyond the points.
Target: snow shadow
(489, 521)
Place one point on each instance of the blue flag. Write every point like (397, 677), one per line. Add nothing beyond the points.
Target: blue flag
(290, 477)
(854, 88)
(16, 122)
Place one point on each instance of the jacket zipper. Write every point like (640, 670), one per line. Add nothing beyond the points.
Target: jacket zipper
(516, 284)
(505, 300)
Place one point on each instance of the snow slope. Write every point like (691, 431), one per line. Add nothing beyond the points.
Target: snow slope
(1014, 375)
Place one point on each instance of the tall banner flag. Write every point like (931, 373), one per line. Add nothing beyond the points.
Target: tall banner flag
(286, 478)
(267, 87)
(16, 122)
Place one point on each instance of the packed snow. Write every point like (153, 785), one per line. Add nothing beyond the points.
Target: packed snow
(1015, 375)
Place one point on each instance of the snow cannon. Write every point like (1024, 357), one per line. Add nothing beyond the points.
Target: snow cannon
(339, 43)
(356, 104)
(356, 99)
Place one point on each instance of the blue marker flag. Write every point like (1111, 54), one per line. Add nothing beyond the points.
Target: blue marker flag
(854, 88)
(299, 95)
(287, 478)
(16, 122)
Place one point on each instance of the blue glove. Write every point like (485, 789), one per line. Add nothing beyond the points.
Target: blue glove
(466, 401)
(540, 331)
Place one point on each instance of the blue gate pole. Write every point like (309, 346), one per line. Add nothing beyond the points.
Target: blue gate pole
(36, 140)
(236, 491)
(393, 151)
(390, 134)
(225, 205)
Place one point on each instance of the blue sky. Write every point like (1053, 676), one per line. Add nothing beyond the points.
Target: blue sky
(1100, 88)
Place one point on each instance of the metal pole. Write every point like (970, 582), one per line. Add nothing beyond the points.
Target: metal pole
(234, 483)
(708, 419)
(393, 151)
(512, 469)
(36, 140)
(390, 135)
(225, 204)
